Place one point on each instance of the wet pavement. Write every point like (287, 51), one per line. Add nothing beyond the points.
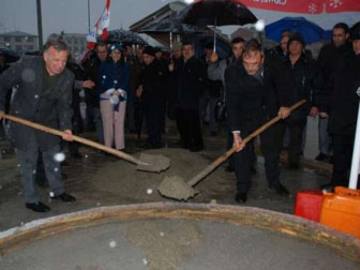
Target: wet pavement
(163, 244)
(221, 189)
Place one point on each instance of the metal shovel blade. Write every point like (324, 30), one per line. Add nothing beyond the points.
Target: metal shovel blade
(153, 163)
(176, 188)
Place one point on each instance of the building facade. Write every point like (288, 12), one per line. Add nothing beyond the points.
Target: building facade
(76, 43)
(19, 42)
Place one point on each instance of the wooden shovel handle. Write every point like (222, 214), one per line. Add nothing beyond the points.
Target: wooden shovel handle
(192, 182)
(75, 138)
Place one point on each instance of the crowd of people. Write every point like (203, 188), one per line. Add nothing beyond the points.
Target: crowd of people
(125, 86)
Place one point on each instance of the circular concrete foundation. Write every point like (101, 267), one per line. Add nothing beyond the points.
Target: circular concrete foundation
(176, 236)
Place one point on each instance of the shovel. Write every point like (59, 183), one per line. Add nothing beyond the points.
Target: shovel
(159, 162)
(176, 188)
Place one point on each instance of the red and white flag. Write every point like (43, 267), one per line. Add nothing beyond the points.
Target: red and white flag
(100, 27)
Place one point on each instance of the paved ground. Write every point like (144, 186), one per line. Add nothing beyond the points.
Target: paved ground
(215, 245)
(80, 173)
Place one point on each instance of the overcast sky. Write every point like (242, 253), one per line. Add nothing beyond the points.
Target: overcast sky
(71, 15)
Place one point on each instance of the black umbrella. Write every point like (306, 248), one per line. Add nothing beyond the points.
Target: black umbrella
(170, 25)
(124, 36)
(10, 56)
(217, 13)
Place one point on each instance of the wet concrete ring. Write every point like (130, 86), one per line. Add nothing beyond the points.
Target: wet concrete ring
(176, 236)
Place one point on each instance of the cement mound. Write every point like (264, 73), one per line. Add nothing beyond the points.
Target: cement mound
(123, 179)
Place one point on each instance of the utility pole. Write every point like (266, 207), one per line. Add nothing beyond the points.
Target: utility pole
(89, 16)
(39, 22)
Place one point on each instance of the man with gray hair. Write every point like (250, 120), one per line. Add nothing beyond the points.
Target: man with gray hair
(44, 96)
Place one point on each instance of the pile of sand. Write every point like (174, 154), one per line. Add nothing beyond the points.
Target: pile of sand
(123, 179)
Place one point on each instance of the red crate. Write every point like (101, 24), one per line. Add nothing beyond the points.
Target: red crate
(308, 204)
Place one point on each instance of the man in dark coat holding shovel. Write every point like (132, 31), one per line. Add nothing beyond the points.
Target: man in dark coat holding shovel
(44, 96)
(254, 95)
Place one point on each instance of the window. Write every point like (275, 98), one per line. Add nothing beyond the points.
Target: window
(18, 39)
(7, 38)
(18, 48)
(30, 39)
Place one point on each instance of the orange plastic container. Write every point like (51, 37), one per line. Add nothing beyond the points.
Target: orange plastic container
(308, 204)
(341, 210)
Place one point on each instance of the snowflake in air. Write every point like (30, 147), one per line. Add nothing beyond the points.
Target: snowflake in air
(335, 3)
(312, 8)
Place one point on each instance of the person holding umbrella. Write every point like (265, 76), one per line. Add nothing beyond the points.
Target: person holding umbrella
(216, 71)
(255, 93)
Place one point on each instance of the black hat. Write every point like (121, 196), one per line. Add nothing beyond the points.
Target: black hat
(355, 32)
(296, 37)
(209, 45)
(157, 49)
(149, 50)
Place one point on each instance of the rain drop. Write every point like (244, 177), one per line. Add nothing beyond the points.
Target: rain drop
(161, 234)
(56, 170)
(98, 204)
(52, 194)
(34, 171)
(104, 77)
(22, 223)
(36, 96)
(112, 244)
(260, 25)
(86, 156)
(145, 262)
(149, 191)
(59, 157)
(28, 75)
(18, 165)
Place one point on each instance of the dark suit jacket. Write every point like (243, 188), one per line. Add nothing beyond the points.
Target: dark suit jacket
(50, 107)
(250, 102)
(190, 79)
(344, 104)
(153, 80)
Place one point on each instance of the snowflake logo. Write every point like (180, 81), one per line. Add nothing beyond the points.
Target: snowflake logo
(312, 8)
(335, 3)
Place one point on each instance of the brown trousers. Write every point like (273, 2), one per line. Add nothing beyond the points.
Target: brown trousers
(113, 122)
